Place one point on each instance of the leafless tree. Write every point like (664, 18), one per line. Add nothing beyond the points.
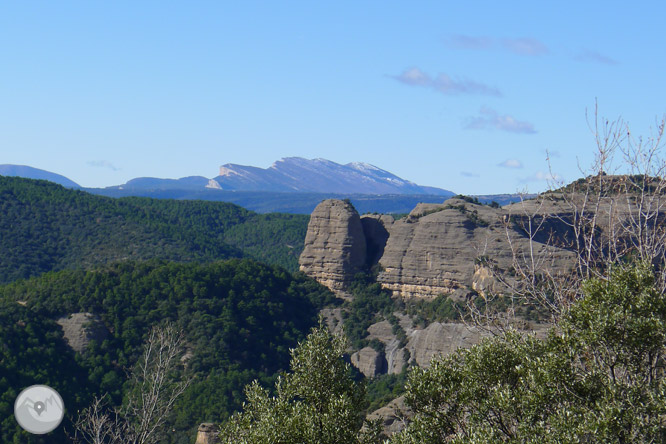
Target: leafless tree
(95, 425)
(156, 385)
(579, 231)
(602, 219)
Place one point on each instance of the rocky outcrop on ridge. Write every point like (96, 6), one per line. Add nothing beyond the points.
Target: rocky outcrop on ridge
(207, 433)
(335, 247)
(81, 328)
(392, 415)
(437, 249)
(369, 361)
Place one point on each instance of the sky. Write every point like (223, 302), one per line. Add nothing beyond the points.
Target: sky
(468, 95)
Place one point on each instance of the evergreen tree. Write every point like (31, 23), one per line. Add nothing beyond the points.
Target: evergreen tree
(318, 402)
(597, 377)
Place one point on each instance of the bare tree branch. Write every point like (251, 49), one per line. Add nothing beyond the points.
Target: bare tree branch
(156, 385)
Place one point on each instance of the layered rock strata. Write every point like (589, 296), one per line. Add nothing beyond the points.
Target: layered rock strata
(437, 249)
(335, 246)
(207, 434)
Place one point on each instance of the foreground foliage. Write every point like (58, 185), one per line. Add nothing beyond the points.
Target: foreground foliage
(597, 377)
(318, 402)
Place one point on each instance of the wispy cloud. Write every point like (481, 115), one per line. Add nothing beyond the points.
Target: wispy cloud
(490, 119)
(595, 57)
(102, 164)
(469, 42)
(511, 163)
(541, 176)
(444, 83)
(468, 174)
(524, 46)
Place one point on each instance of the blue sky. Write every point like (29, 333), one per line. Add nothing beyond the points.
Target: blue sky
(466, 96)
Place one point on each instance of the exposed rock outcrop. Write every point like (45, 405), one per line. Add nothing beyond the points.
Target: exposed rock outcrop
(394, 354)
(375, 228)
(437, 249)
(207, 434)
(335, 245)
(441, 339)
(81, 328)
(433, 250)
(392, 415)
(369, 361)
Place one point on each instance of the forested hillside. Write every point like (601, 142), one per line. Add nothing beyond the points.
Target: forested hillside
(46, 227)
(239, 317)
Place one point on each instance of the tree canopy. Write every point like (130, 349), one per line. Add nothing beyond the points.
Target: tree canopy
(598, 376)
(240, 318)
(46, 227)
(318, 402)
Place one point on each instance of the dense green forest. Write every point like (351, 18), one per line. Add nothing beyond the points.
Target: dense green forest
(240, 318)
(45, 227)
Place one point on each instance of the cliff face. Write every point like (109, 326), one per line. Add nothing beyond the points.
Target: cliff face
(437, 249)
(335, 246)
(80, 328)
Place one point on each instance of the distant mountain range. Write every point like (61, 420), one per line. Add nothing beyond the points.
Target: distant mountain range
(35, 173)
(294, 175)
(290, 185)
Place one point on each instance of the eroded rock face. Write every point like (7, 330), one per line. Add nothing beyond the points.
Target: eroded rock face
(375, 228)
(80, 328)
(437, 249)
(393, 415)
(335, 245)
(207, 434)
(441, 339)
(433, 250)
(369, 361)
(393, 353)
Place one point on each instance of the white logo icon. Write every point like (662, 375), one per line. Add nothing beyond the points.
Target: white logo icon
(39, 409)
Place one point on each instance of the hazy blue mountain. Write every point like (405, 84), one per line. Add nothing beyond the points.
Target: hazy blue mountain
(153, 183)
(301, 203)
(35, 173)
(271, 202)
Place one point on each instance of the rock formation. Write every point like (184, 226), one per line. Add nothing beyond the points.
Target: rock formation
(335, 246)
(375, 229)
(207, 434)
(81, 328)
(392, 415)
(437, 249)
(369, 361)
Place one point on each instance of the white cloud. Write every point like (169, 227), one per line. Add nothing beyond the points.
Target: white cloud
(415, 76)
(468, 174)
(490, 119)
(444, 83)
(511, 163)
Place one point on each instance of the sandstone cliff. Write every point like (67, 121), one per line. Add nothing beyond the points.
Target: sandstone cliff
(335, 246)
(437, 249)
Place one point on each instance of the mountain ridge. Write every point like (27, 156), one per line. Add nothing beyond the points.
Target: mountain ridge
(29, 172)
(297, 174)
